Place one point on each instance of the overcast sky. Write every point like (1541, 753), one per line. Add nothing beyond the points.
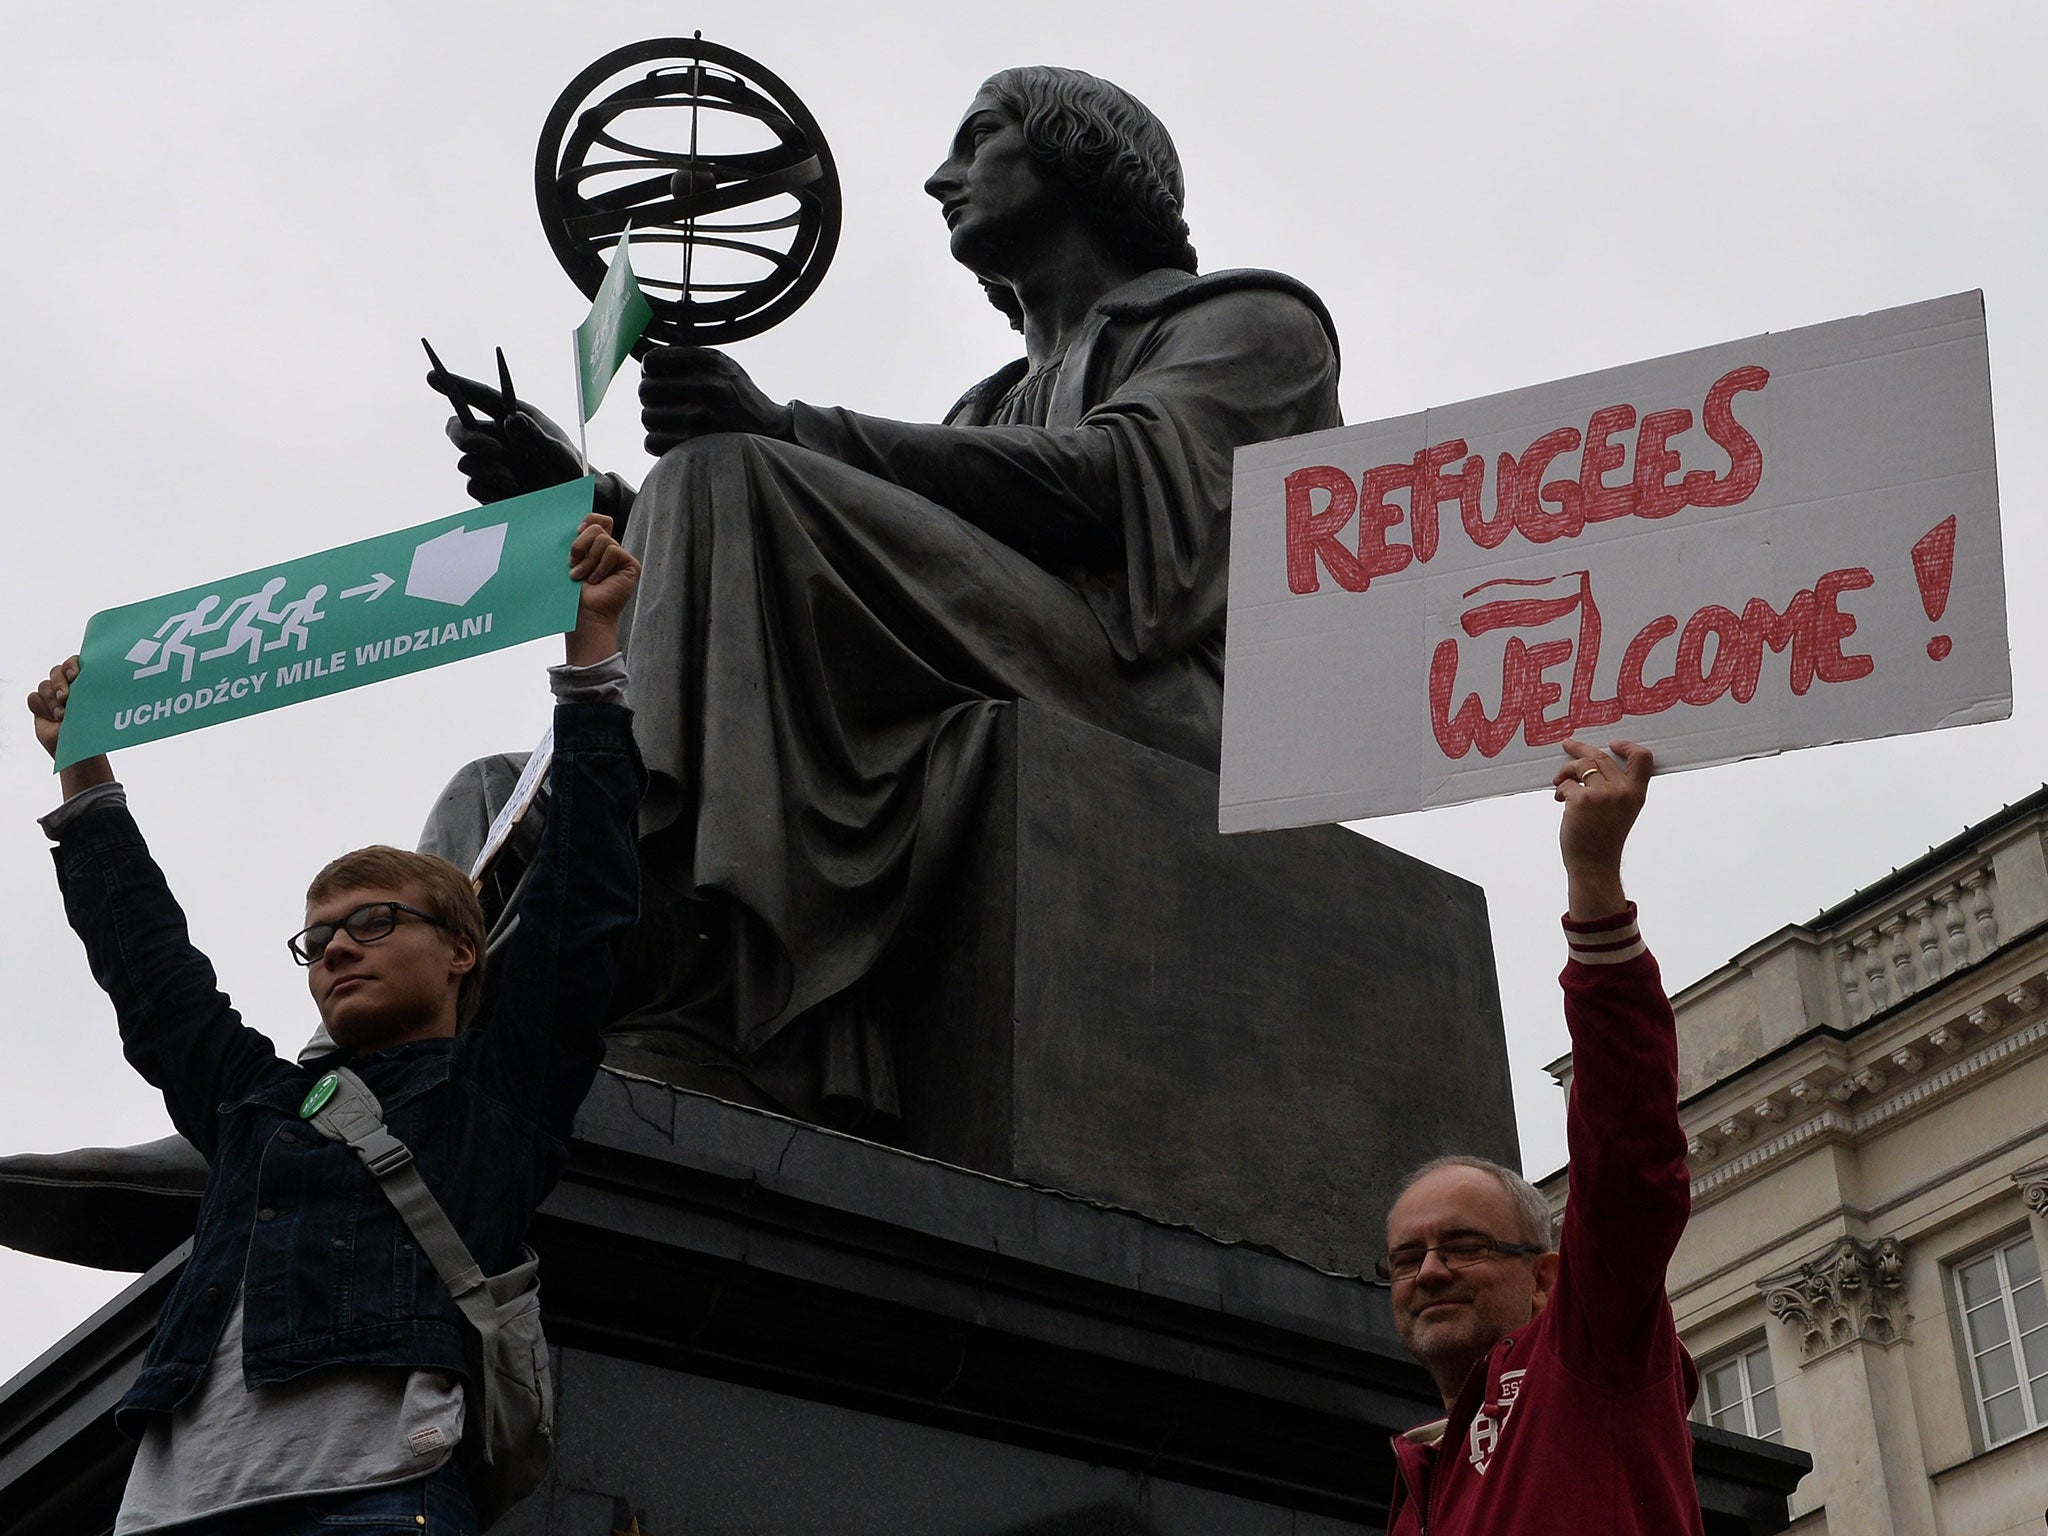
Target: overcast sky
(229, 224)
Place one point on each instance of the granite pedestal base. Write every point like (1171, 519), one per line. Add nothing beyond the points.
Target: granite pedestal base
(764, 1327)
(1254, 1035)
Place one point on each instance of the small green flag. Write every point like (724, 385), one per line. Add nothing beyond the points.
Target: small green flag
(402, 602)
(605, 338)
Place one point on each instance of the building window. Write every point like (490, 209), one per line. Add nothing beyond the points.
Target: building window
(1739, 1393)
(2005, 1323)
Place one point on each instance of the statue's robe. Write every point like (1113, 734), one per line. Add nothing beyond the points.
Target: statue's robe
(825, 629)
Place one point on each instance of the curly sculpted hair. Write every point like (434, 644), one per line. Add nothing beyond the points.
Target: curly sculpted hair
(1104, 145)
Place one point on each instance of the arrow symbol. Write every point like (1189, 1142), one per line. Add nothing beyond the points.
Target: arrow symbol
(376, 586)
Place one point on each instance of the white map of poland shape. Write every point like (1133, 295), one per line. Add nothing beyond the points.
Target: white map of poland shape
(453, 567)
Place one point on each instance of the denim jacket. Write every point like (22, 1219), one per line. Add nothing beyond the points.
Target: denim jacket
(330, 1274)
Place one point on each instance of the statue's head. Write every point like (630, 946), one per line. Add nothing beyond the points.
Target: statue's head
(1112, 156)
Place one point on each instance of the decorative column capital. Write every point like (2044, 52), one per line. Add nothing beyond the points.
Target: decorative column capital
(2033, 1183)
(1853, 1292)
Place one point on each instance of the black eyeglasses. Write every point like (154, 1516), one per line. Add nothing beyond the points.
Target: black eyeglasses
(1458, 1253)
(370, 922)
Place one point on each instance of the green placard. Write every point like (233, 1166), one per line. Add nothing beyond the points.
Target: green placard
(402, 602)
(604, 340)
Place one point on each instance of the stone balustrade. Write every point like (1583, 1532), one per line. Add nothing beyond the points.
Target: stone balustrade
(1886, 957)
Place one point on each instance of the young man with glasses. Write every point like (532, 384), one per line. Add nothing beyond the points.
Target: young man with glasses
(1565, 1387)
(308, 1369)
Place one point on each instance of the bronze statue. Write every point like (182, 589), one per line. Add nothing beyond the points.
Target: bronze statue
(835, 605)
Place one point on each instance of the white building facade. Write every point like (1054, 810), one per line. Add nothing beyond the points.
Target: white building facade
(1866, 1098)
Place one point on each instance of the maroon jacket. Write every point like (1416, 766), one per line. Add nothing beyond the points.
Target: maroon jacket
(1575, 1423)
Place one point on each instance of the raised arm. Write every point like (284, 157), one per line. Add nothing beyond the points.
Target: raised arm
(540, 1046)
(1630, 1188)
(178, 1029)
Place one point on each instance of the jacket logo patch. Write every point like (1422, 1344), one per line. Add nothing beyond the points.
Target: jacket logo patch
(425, 1442)
(1491, 1422)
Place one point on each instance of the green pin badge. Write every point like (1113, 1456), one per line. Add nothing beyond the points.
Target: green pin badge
(319, 1094)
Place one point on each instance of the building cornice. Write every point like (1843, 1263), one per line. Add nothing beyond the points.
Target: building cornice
(1832, 1096)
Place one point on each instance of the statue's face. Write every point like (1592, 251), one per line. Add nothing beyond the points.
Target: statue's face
(998, 202)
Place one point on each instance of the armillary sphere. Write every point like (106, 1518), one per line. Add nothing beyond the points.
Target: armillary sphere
(723, 174)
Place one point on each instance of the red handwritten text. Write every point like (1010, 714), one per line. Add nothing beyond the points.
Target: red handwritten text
(1719, 654)
(1523, 500)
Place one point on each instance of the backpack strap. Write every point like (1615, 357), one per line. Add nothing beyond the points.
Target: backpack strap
(353, 1116)
(509, 1428)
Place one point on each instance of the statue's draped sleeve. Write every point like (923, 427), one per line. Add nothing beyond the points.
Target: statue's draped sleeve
(1126, 484)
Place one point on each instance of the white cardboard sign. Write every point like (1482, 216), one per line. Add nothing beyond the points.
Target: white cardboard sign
(1774, 543)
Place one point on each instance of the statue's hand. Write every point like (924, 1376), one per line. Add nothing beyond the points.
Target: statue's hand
(689, 392)
(508, 450)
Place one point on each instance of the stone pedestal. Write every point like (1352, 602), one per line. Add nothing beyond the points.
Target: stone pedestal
(760, 1325)
(1255, 1035)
